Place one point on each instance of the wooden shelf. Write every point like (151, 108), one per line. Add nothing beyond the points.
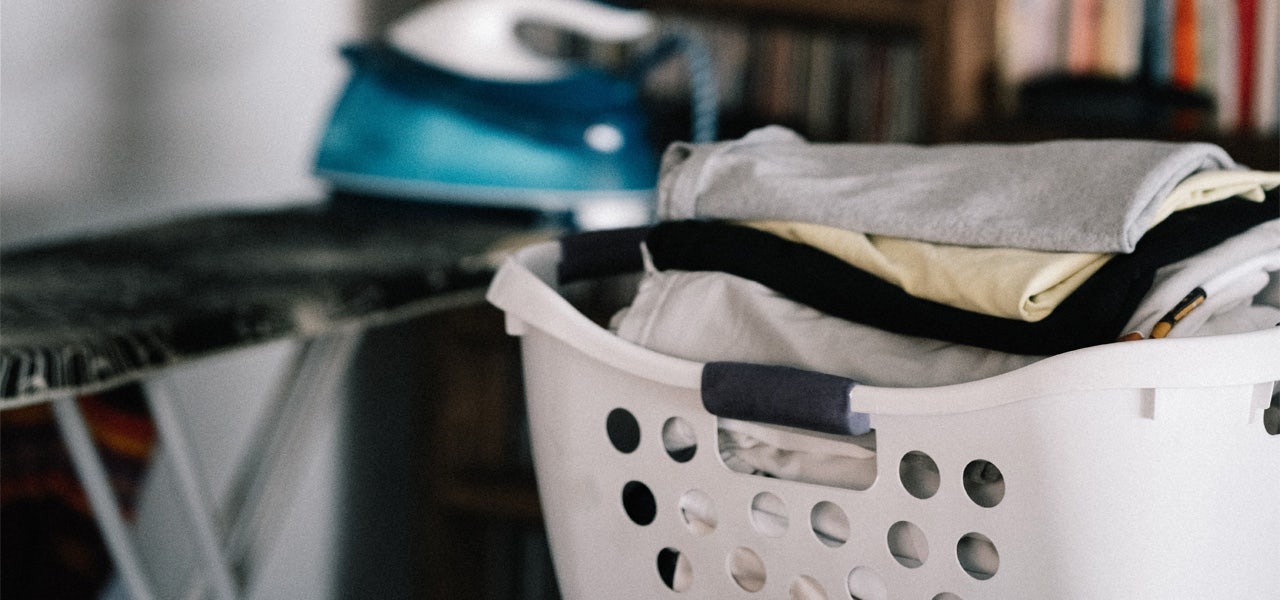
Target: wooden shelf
(1252, 150)
(957, 40)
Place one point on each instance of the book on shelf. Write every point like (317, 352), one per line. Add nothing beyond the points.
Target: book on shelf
(1226, 50)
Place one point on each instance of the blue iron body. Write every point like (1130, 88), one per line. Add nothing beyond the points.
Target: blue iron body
(406, 129)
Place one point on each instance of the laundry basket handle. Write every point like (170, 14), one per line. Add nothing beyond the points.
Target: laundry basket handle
(781, 396)
(595, 254)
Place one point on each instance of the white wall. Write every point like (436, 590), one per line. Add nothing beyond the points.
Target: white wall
(114, 110)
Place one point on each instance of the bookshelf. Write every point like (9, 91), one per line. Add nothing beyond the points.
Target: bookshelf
(953, 43)
(1182, 70)
(960, 83)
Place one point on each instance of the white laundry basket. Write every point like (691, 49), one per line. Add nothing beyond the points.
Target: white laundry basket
(1130, 470)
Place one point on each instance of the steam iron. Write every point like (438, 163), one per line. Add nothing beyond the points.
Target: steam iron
(450, 107)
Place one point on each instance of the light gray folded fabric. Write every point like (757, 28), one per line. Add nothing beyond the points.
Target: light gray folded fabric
(1068, 195)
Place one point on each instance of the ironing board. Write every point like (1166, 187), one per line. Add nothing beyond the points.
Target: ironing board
(90, 314)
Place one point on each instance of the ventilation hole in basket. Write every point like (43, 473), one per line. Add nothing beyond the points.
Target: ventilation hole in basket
(919, 474)
(674, 569)
(908, 544)
(984, 483)
(747, 569)
(805, 587)
(829, 523)
(769, 514)
(1271, 420)
(866, 584)
(624, 431)
(638, 501)
(698, 511)
(947, 596)
(679, 440)
(978, 556)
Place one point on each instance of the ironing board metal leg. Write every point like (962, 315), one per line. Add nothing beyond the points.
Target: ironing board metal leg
(263, 484)
(311, 403)
(102, 499)
(176, 446)
(267, 485)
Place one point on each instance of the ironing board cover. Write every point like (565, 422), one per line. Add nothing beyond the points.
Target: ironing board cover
(88, 314)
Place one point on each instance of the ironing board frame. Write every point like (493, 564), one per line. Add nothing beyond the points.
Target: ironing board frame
(291, 416)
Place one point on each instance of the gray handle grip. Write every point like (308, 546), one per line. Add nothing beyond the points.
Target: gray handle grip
(781, 396)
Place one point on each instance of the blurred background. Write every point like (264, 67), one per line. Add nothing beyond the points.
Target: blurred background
(116, 110)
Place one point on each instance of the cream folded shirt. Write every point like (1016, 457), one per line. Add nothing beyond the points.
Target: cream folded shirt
(1013, 283)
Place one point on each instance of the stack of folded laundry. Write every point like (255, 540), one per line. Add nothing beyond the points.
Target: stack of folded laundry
(904, 265)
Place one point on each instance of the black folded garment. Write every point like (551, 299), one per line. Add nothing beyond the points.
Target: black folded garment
(1094, 314)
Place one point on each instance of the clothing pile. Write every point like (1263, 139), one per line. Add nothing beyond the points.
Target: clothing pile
(904, 265)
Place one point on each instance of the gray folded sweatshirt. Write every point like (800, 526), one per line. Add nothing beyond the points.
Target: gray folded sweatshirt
(1068, 195)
